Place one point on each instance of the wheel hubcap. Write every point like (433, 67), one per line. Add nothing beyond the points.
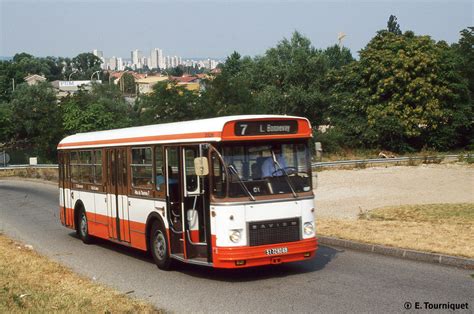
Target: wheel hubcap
(83, 225)
(160, 245)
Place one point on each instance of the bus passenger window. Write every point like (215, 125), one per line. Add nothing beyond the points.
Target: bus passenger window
(191, 177)
(75, 172)
(142, 168)
(98, 166)
(218, 176)
(159, 169)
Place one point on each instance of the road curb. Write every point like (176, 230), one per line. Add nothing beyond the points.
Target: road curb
(448, 260)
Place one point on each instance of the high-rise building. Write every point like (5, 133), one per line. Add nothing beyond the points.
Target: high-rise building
(98, 53)
(137, 59)
(113, 63)
(120, 65)
(156, 59)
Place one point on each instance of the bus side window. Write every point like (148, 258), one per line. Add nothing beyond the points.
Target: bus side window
(159, 170)
(218, 176)
(173, 173)
(142, 168)
(191, 177)
(98, 166)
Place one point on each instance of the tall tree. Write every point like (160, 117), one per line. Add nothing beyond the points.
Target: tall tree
(101, 108)
(464, 49)
(35, 119)
(229, 92)
(404, 93)
(86, 64)
(393, 26)
(338, 56)
(168, 102)
(289, 79)
(127, 84)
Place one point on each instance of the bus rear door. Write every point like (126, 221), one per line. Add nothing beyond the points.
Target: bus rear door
(117, 194)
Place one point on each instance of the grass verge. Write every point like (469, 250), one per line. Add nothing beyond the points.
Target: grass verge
(437, 228)
(30, 282)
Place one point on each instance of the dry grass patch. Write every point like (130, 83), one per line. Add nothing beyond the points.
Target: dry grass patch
(439, 228)
(30, 282)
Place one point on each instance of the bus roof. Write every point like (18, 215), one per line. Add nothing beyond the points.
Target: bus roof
(204, 130)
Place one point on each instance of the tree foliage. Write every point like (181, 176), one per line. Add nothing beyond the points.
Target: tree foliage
(36, 119)
(168, 102)
(393, 26)
(230, 92)
(127, 84)
(101, 108)
(86, 64)
(403, 93)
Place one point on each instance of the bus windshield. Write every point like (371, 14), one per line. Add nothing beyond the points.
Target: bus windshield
(252, 170)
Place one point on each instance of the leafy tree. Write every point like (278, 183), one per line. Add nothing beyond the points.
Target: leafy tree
(290, 79)
(230, 92)
(101, 108)
(404, 93)
(176, 71)
(338, 56)
(35, 119)
(6, 126)
(465, 51)
(86, 64)
(127, 84)
(168, 102)
(393, 26)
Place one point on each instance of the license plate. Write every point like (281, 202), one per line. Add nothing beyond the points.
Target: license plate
(275, 251)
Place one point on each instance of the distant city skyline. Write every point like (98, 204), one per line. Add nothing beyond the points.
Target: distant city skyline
(156, 59)
(212, 29)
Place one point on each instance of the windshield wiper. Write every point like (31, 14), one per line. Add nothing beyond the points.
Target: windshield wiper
(242, 184)
(287, 178)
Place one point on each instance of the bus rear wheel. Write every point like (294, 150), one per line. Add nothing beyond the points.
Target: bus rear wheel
(159, 246)
(83, 227)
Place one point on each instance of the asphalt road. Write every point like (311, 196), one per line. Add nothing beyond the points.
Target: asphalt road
(335, 281)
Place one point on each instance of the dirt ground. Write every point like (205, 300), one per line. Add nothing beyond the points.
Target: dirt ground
(345, 193)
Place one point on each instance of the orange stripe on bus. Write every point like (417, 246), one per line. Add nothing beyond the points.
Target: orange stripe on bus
(144, 139)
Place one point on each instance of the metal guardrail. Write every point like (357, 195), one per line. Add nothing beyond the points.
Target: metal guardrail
(52, 166)
(356, 162)
(320, 164)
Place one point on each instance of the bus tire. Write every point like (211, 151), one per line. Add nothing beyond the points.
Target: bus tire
(83, 227)
(159, 246)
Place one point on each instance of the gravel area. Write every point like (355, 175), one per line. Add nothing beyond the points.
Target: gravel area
(345, 193)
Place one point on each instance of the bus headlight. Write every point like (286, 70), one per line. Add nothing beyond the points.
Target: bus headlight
(234, 236)
(308, 228)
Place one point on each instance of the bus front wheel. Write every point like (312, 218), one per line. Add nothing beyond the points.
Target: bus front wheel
(159, 246)
(83, 227)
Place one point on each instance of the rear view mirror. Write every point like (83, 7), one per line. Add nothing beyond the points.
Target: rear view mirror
(201, 167)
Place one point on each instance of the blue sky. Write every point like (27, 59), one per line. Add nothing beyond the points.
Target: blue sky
(212, 28)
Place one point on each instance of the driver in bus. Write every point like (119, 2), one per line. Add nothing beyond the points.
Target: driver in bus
(270, 168)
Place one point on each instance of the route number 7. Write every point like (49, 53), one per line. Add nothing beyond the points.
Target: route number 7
(244, 128)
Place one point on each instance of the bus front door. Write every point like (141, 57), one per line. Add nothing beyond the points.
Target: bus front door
(117, 194)
(188, 206)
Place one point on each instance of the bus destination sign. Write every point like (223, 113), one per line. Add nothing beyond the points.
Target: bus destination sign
(249, 128)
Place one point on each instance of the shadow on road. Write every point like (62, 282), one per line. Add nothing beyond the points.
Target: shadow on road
(324, 256)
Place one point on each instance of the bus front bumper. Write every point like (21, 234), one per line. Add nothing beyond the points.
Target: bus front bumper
(249, 256)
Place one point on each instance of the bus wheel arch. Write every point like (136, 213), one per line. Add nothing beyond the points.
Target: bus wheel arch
(152, 217)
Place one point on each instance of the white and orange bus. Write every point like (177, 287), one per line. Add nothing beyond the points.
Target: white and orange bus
(226, 192)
